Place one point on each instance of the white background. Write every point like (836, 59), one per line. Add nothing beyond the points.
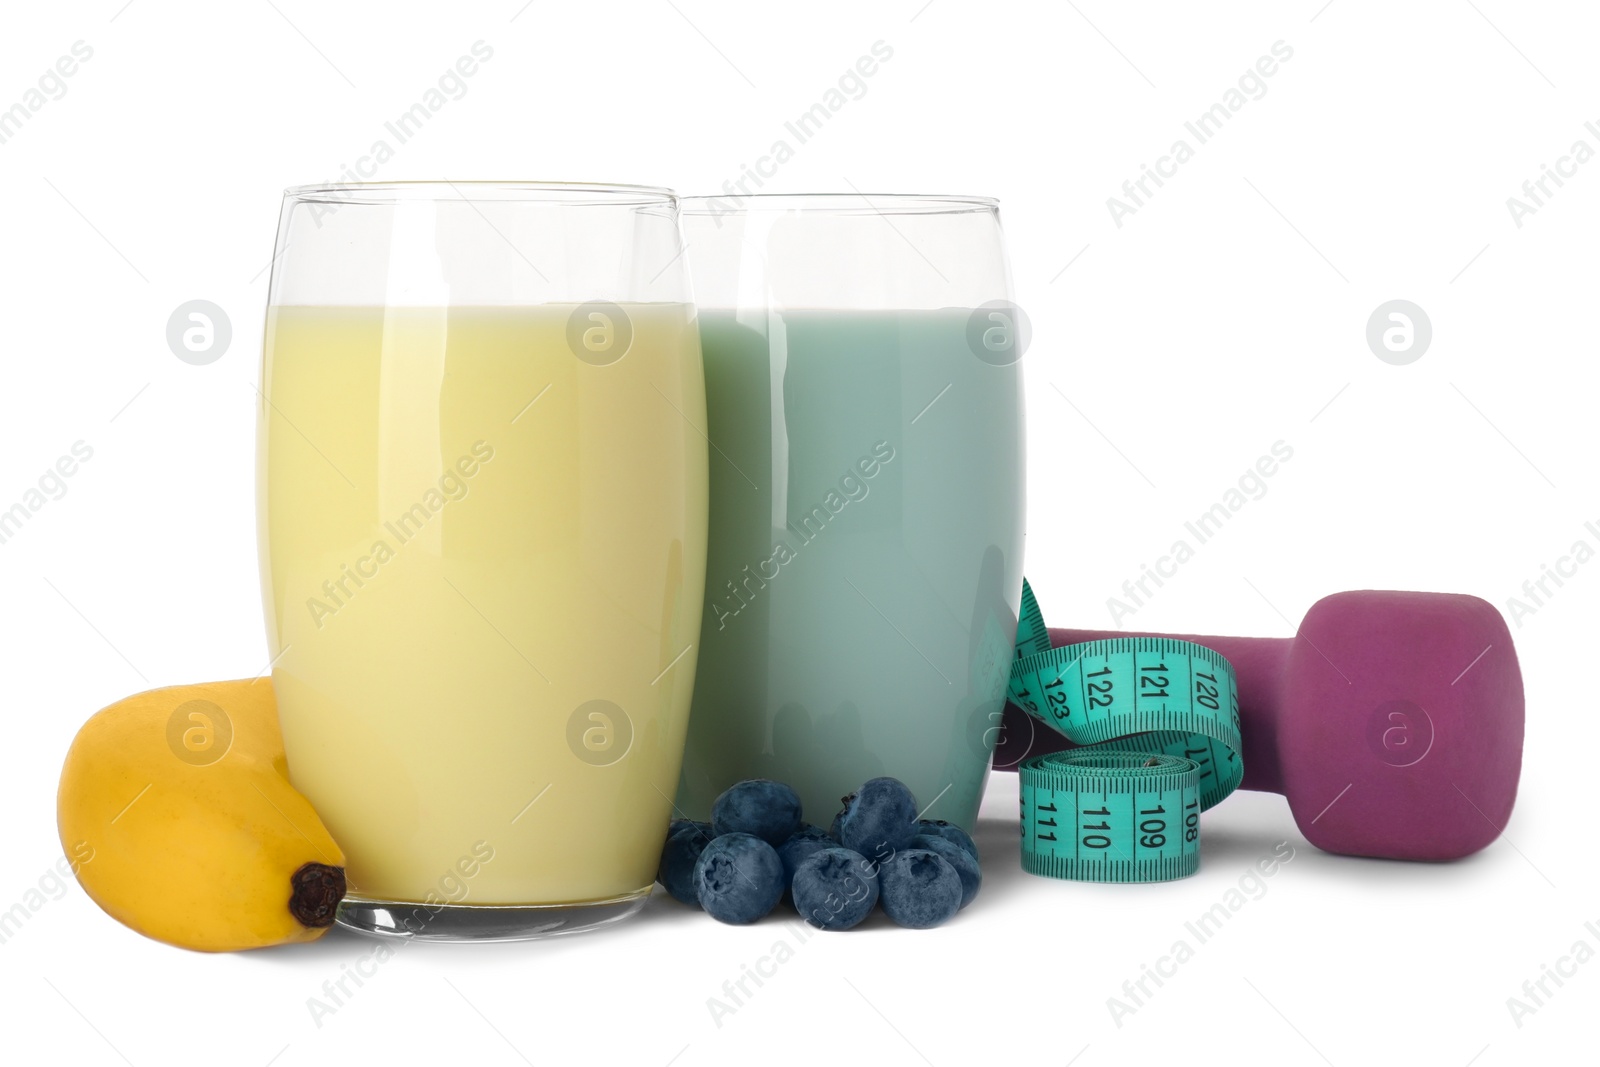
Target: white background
(1169, 353)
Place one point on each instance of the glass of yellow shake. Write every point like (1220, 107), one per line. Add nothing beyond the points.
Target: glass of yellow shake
(482, 515)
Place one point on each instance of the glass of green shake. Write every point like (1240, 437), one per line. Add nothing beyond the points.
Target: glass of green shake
(864, 411)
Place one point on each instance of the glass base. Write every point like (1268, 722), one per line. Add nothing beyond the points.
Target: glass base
(410, 921)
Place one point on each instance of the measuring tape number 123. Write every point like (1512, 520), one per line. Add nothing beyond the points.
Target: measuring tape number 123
(1157, 722)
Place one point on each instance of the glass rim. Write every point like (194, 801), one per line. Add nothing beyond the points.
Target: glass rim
(442, 190)
(836, 203)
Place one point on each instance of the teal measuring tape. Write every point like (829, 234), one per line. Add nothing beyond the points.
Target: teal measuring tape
(1158, 725)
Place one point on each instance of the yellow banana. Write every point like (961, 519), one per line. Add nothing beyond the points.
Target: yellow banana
(180, 797)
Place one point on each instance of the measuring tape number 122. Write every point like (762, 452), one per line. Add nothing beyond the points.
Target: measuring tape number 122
(1157, 722)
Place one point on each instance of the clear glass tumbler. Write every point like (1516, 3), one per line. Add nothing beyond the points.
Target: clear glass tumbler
(482, 509)
(865, 563)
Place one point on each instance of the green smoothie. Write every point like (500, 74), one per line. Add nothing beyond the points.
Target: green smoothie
(865, 557)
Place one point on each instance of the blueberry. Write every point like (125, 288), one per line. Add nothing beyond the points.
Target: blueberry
(759, 807)
(918, 888)
(950, 832)
(834, 889)
(685, 841)
(879, 819)
(739, 878)
(683, 824)
(800, 846)
(833, 827)
(957, 857)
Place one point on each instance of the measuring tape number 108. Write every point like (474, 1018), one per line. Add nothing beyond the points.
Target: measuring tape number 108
(1157, 725)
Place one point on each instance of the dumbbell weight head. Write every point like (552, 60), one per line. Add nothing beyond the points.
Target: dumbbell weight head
(1400, 733)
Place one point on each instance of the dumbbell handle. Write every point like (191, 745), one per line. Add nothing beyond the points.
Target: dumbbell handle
(1258, 664)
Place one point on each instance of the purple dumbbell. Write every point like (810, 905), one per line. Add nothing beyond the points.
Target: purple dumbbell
(1392, 721)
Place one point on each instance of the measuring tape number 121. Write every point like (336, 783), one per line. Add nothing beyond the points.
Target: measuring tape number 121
(1157, 722)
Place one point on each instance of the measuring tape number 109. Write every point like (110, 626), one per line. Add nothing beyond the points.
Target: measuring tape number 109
(1157, 722)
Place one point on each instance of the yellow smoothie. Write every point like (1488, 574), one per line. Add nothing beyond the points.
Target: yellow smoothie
(483, 565)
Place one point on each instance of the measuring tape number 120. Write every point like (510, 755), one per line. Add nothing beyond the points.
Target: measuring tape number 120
(1157, 722)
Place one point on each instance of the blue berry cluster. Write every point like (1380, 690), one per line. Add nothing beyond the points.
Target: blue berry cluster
(756, 851)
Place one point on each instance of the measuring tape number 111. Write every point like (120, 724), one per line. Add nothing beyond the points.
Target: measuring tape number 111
(1157, 722)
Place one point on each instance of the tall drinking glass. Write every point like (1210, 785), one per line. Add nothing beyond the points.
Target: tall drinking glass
(482, 523)
(865, 563)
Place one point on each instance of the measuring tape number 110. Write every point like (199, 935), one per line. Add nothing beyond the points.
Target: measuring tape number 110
(1157, 722)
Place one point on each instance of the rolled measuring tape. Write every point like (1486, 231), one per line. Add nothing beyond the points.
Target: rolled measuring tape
(1157, 722)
